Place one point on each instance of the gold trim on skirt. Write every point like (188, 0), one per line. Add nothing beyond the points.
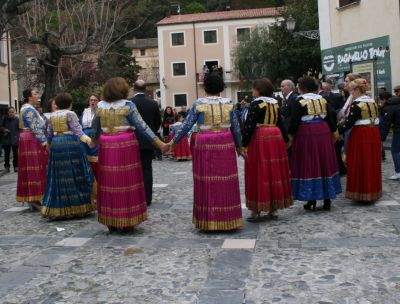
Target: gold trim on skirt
(122, 222)
(27, 199)
(363, 197)
(217, 226)
(66, 212)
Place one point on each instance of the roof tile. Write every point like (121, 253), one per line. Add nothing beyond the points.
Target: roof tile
(224, 15)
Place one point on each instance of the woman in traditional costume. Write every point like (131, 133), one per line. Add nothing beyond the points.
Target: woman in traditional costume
(69, 177)
(216, 183)
(267, 173)
(32, 153)
(313, 131)
(364, 175)
(121, 201)
(182, 150)
(87, 118)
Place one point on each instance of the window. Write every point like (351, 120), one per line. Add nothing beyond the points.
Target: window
(179, 69)
(2, 51)
(242, 34)
(177, 39)
(142, 52)
(210, 37)
(180, 99)
(347, 2)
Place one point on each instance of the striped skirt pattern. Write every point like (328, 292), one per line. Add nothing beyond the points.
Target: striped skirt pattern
(216, 183)
(70, 180)
(32, 164)
(121, 201)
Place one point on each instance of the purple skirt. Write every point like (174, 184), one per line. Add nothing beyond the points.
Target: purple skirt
(315, 171)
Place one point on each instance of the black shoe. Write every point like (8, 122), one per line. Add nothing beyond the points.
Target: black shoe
(311, 205)
(15, 169)
(6, 170)
(327, 205)
(148, 204)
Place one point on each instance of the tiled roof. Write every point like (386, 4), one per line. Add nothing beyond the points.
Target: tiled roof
(225, 15)
(142, 43)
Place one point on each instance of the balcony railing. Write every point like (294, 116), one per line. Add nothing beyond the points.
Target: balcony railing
(227, 76)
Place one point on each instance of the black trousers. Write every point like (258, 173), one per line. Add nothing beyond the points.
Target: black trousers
(7, 152)
(146, 157)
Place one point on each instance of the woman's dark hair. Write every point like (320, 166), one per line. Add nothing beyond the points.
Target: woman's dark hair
(49, 103)
(264, 87)
(26, 94)
(213, 84)
(115, 89)
(307, 84)
(179, 116)
(63, 101)
(166, 113)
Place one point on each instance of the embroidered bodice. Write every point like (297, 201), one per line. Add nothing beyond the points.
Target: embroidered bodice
(66, 122)
(263, 111)
(363, 111)
(311, 107)
(120, 116)
(211, 113)
(30, 119)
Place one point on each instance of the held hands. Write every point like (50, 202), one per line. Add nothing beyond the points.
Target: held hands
(91, 145)
(166, 148)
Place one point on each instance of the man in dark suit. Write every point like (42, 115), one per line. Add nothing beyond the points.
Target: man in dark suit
(150, 113)
(336, 102)
(289, 97)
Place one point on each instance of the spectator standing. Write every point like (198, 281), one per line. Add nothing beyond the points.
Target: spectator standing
(10, 130)
(289, 97)
(391, 117)
(150, 113)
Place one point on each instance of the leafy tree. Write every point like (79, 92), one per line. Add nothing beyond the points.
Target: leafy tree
(194, 7)
(276, 53)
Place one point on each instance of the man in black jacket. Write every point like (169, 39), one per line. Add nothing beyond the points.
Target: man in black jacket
(289, 97)
(150, 113)
(10, 131)
(391, 117)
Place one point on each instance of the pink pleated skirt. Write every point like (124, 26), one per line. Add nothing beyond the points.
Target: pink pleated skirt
(216, 183)
(121, 201)
(32, 165)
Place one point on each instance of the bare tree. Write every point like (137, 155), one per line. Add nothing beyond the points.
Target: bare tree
(71, 29)
(9, 10)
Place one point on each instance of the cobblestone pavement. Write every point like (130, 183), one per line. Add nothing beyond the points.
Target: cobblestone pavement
(348, 255)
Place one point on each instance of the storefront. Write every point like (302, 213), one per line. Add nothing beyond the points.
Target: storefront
(370, 58)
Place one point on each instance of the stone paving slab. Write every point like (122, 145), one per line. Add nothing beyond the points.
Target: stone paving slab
(349, 255)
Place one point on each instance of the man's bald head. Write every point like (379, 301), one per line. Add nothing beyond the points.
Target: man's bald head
(140, 86)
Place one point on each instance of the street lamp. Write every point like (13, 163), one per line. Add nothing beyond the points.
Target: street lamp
(291, 25)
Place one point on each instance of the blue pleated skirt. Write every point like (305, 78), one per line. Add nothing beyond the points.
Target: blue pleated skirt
(69, 180)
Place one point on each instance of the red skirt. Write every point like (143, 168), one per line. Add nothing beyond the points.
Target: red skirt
(267, 173)
(32, 165)
(121, 200)
(182, 150)
(364, 173)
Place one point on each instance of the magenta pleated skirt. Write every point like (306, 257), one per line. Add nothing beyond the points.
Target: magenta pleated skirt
(121, 200)
(216, 183)
(32, 165)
